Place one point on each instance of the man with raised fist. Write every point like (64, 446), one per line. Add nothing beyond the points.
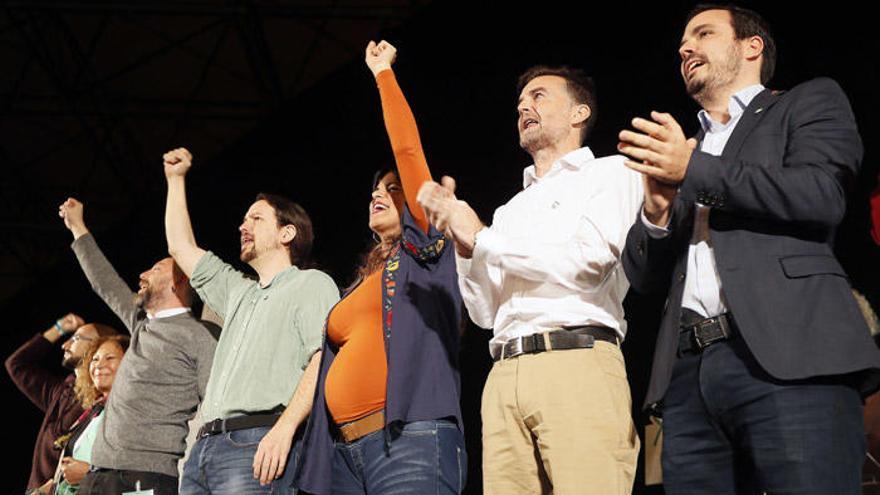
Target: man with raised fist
(160, 382)
(266, 365)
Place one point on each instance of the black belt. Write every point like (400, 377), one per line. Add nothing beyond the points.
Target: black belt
(255, 420)
(572, 338)
(696, 337)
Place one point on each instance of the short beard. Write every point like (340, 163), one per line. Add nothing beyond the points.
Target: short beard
(248, 255)
(534, 142)
(143, 300)
(721, 74)
(71, 363)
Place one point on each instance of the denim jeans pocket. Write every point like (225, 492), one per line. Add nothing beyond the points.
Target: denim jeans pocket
(452, 458)
(417, 428)
(247, 438)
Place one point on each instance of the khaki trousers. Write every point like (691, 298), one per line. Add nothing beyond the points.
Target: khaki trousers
(559, 422)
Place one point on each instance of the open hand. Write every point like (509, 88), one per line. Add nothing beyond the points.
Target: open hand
(271, 457)
(660, 151)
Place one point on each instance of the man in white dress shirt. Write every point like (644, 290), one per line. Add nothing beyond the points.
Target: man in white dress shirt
(546, 276)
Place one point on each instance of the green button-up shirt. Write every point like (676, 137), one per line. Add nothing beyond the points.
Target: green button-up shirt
(269, 334)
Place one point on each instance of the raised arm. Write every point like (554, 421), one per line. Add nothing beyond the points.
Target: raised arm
(71, 211)
(27, 365)
(178, 229)
(100, 273)
(401, 127)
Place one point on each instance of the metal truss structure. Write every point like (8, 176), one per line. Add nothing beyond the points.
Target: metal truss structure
(93, 92)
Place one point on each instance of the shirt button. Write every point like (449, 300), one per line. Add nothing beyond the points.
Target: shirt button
(680, 277)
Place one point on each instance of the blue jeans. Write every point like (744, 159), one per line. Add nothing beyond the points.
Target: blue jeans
(424, 457)
(222, 464)
(115, 481)
(730, 428)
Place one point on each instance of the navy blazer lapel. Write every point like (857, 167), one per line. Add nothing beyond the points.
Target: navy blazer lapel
(751, 116)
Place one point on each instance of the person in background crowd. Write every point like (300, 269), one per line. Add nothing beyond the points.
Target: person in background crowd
(95, 376)
(52, 393)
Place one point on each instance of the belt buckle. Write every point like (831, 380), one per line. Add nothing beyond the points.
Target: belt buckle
(715, 321)
(699, 326)
(516, 351)
(211, 428)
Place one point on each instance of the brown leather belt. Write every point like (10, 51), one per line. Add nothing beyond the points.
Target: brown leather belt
(360, 428)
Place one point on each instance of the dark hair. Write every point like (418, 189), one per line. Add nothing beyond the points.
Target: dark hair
(289, 213)
(746, 23)
(104, 330)
(580, 87)
(84, 388)
(375, 255)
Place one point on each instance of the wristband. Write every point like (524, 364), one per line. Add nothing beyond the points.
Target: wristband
(61, 332)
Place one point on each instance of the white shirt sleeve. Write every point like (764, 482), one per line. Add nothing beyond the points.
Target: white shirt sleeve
(654, 231)
(480, 285)
(582, 261)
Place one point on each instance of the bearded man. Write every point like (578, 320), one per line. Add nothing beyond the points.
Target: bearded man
(162, 379)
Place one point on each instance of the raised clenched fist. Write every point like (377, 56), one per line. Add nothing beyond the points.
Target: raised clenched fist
(177, 162)
(72, 212)
(70, 322)
(380, 56)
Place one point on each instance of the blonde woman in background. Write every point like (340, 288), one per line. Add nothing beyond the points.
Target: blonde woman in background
(93, 384)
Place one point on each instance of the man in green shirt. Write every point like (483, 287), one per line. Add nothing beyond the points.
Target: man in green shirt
(269, 349)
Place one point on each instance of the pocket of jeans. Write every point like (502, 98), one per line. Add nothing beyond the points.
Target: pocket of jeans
(247, 438)
(418, 428)
(462, 467)
(452, 457)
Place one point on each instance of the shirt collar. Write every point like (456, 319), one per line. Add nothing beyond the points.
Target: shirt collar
(573, 159)
(283, 274)
(165, 313)
(735, 107)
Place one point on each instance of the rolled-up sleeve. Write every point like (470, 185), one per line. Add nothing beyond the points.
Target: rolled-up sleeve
(215, 281)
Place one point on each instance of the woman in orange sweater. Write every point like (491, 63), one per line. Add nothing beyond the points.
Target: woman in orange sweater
(386, 414)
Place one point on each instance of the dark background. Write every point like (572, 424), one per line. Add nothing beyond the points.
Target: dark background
(319, 143)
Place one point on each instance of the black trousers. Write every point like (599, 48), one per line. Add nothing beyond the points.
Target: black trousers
(731, 429)
(115, 482)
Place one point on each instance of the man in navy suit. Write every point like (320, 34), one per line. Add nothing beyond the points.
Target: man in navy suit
(762, 353)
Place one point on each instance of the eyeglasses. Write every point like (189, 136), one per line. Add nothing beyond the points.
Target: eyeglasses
(77, 338)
